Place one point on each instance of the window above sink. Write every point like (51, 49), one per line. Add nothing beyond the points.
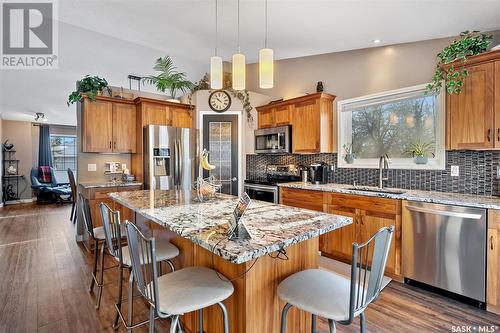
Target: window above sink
(392, 123)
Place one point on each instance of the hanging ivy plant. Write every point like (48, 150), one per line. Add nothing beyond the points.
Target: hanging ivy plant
(470, 43)
(242, 95)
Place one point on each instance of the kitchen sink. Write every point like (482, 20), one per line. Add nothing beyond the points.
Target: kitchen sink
(375, 190)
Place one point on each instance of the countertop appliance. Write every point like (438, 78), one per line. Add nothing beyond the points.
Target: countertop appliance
(445, 247)
(266, 189)
(276, 140)
(171, 157)
(319, 172)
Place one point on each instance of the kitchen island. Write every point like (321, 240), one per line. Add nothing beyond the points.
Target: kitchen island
(284, 241)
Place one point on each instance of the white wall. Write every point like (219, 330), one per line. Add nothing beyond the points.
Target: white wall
(81, 52)
(246, 137)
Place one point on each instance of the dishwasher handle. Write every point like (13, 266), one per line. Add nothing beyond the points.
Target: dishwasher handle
(470, 216)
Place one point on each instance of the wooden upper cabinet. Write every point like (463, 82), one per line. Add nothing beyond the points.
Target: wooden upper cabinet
(472, 111)
(154, 114)
(124, 131)
(282, 115)
(311, 117)
(182, 117)
(266, 118)
(97, 126)
(493, 262)
(473, 116)
(305, 127)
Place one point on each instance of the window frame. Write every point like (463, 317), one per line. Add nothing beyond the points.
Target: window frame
(75, 155)
(435, 163)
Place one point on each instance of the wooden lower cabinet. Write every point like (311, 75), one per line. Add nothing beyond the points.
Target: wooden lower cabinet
(369, 214)
(493, 262)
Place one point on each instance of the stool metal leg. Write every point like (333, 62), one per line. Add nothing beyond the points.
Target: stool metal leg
(173, 324)
(130, 299)
(283, 316)
(172, 268)
(152, 320)
(200, 321)
(224, 314)
(313, 323)
(362, 322)
(332, 326)
(120, 293)
(101, 277)
(94, 271)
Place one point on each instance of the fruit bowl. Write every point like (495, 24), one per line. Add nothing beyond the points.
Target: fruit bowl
(207, 188)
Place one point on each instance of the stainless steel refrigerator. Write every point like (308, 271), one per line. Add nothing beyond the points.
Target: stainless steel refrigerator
(171, 157)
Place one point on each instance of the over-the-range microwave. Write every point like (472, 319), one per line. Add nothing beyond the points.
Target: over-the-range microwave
(276, 140)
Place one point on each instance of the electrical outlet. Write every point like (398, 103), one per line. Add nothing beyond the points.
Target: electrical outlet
(498, 172)
(455, 170)
(91, 167)
(124, 166)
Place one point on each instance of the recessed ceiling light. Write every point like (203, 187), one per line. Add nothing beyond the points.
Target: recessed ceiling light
(376, 41)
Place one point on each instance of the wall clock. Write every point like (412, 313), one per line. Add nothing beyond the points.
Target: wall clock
(219, 101)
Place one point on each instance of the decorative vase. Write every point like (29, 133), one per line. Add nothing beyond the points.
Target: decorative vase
(349, 158)
(420, 159)
(319, 86)
(11, 170)
(7, 146)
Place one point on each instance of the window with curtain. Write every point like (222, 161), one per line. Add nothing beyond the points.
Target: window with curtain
(63, 148)
(392, 123)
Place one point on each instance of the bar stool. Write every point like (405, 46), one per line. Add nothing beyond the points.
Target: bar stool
(172, 295)
(335, 297)
(74, 199)
(113, 230)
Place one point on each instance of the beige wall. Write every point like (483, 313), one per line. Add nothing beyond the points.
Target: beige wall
(24, 136)
(354, 73)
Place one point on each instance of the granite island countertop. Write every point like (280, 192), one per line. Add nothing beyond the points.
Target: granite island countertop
(104, 184)
(272, 226)
(445, 198)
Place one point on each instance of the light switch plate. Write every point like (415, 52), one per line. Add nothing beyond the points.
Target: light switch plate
(91, 167)
(124, 166)
(455, 170)
(498, 172)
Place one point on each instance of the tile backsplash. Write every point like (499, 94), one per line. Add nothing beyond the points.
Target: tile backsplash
(477, 172)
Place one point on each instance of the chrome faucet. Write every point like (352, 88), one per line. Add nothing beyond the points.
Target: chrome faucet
(382, 165)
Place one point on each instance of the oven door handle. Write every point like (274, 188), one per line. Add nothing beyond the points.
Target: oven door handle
(267, 188)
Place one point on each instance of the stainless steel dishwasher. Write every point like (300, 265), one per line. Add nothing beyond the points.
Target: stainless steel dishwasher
(445, 247)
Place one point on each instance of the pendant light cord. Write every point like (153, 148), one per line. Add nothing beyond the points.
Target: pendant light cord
(216, 26)
(265, 39)
(239, 49)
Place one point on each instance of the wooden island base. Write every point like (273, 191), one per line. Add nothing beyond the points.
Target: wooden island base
(254, 307)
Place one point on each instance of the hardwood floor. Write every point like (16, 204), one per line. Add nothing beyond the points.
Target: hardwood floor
(44, 280)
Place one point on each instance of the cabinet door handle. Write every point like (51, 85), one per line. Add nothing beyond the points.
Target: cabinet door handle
(109, 144)
(362, 220)
(114, 143)
(491, 242)
(489, 134)
(498, 134)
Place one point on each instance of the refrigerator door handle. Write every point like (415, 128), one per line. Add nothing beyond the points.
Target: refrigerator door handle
(181, 157)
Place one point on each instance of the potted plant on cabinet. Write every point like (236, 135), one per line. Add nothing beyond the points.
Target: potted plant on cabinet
(168, 78)
(420, 152)
(91, 86)
(348, 153)
(470, 43)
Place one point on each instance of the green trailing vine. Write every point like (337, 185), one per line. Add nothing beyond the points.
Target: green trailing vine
(242, 95)
(90, 86)
(468, 44)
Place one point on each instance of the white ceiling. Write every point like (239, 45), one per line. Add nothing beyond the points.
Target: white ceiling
(116, 38)
(296, 28)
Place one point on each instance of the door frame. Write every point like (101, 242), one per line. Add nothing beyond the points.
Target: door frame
(241, 167)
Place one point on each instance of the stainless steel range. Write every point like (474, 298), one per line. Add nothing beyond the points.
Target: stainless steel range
(266, 189)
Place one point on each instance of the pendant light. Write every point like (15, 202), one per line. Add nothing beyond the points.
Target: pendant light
(216, 61)
(266, 63)
(239, 75)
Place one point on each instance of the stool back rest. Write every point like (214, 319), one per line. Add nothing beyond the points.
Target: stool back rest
(143, 258)
(367, 270)
(112, 232)
(72, 183)
(87, 216)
